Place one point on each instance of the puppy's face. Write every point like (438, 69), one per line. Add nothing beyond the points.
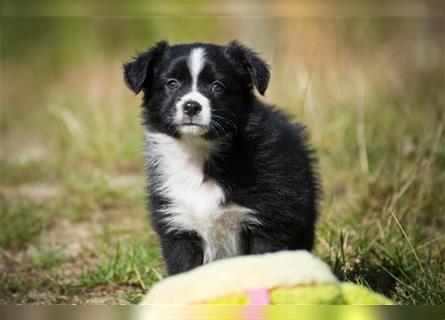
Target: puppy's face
(197, 89)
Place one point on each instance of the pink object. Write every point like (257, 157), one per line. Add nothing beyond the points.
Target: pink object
(258, 296)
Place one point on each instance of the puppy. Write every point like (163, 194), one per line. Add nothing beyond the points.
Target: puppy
(227, 174)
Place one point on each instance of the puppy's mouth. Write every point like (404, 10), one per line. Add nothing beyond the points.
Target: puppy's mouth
(192, 128)
(191, 124)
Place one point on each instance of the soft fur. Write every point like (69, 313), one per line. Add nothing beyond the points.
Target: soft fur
(228, 174)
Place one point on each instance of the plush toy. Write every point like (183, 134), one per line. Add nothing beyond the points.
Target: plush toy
(287, 277)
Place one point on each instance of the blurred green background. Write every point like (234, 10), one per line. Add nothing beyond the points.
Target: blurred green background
(370, 90)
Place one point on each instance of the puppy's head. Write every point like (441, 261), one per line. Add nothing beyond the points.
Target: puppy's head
(196, 89)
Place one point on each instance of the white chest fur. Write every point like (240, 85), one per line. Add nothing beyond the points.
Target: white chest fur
(196, 204)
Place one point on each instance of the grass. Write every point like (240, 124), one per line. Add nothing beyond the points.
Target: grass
(74, 226)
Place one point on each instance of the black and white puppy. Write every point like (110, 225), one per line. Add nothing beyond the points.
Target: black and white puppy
(228, 175)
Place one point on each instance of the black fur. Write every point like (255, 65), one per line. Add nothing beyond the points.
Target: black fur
(265, 163)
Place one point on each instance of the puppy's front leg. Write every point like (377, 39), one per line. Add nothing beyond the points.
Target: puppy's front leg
(182, 251)
(259, 245)
(259, 241)
(292, 238)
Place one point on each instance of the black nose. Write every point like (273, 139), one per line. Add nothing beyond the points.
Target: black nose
(192, 108)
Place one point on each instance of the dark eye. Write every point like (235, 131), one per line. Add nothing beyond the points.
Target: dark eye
(172, 84)
(217, 86)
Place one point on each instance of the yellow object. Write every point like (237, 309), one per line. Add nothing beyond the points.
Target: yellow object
(282, 278)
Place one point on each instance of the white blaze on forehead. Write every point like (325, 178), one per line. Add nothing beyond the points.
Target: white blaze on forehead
(196, 61)
(195, 64)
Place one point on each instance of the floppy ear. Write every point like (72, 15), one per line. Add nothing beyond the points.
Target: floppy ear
(137, 71)
(256, 68)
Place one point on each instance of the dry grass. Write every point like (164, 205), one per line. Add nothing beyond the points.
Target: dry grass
(74, 228)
